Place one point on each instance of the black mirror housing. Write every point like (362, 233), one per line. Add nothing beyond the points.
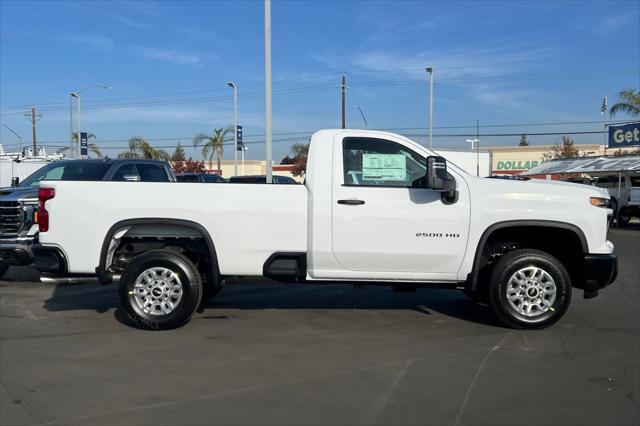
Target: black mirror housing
(437, 177)
(15, 181)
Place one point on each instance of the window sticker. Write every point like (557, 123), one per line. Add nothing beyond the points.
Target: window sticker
(384, 167)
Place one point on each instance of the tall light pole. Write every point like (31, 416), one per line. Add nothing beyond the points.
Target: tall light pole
(366, 125)
(472, 141)
(235, 126)
(477, 147)
(16, 135)
(430, 72)
(77, 96)
(267, 83)
(244, 148)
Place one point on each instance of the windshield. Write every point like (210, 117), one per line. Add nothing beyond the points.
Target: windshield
(72, 170)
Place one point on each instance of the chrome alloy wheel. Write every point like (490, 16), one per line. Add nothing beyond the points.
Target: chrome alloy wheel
(531, 291)
(157, 291)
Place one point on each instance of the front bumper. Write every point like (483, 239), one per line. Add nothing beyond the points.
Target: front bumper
(16, 250)
(600, 271)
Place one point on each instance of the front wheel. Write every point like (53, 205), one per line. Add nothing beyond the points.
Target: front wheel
(623, 217)
(530, 289)
(160, 289)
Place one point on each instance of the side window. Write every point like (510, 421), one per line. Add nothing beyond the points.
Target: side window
(54, 174)
(210, 179)
(152, 173)
(379, 162)
(187, 178)
(124, 170)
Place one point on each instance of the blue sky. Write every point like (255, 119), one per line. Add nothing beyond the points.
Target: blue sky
(501, 63)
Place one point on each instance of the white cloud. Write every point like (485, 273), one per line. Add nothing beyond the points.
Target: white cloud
(611, 24)
(478, 70)
(94, 41)
(174, 56)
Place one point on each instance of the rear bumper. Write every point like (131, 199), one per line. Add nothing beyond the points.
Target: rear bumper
(49, 260)
(600, 271)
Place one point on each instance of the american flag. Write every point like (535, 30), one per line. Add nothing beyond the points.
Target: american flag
(603, 108)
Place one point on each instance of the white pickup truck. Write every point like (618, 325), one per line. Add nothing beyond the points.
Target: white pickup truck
(376, 208)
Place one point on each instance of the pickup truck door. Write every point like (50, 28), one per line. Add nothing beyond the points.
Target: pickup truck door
(384, 223)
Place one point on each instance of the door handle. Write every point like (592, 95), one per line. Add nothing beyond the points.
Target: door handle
(351, 202)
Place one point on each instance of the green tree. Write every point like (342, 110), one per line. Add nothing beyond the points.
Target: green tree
(523, 140)
(212, 145)
(140, 148)
(566, 150)
(300, 151)
(178, 154)
(91, 147)
(628, 103)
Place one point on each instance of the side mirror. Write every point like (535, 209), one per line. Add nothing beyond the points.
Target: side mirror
(131, 178)
(437, 177)
(15, 181)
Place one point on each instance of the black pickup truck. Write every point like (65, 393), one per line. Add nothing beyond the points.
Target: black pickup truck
(19, 203)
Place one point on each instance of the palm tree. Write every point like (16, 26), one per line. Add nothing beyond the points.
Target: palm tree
(628, 103)
(91, 147)
(212, 145)
(140, 148)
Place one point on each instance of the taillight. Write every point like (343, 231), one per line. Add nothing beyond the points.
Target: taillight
(44, 194)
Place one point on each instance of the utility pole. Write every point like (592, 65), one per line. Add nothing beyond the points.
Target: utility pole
(33, 116)
(344, 101)
(267, 83)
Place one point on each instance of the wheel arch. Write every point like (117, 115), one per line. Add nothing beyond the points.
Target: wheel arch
(101, 269)
(500, 226)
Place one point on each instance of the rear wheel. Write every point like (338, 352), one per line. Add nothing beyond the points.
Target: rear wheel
(160, 289)
(529, 289)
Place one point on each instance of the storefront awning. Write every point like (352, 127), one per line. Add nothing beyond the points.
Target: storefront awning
(599, 165)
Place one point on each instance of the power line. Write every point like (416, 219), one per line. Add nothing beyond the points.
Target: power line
(194, 92)
(62, 105)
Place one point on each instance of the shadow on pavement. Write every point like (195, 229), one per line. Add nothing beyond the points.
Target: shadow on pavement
(288, 296)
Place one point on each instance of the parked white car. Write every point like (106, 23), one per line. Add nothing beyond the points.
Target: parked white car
(406, 221)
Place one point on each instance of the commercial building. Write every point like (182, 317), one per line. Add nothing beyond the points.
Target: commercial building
(511, 160)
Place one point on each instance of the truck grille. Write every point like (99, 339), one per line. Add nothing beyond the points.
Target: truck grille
(11, 218)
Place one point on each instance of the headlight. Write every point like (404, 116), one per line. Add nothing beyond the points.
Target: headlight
(599, 202)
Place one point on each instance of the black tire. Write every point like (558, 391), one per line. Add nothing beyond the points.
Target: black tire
(188, 276)
(613, 204)
(3, 270)
(623, 217)
(517, 260)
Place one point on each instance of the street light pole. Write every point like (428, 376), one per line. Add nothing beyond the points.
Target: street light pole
(77, 96)
(235, 126)
(267, 83)
(16, 135)
(477, 142)
(430, 72)
(71, 150)
(366, 125)
(472, 141)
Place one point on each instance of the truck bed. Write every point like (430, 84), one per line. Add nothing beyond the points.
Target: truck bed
(270, 217)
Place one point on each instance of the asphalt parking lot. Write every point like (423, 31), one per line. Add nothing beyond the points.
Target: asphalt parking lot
(319, 355)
